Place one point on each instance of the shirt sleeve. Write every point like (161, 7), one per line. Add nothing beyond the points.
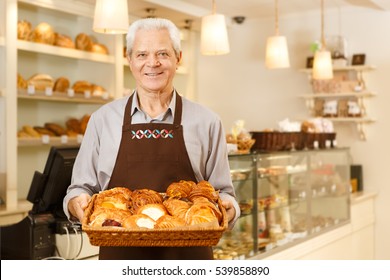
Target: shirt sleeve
(218, 169)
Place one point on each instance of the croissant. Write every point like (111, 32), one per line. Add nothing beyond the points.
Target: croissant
(177, 207)
(217, 213)
(201, 214)
(180, 189)
(139, 221)
(142, 197)
(168, 221)
(154, 210)
(205, 189)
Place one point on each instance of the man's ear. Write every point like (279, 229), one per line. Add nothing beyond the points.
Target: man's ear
(179, 58)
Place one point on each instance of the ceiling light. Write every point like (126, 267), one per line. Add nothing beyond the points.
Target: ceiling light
(276, 55)
(322, 64)
(214, 37)
(111, 18)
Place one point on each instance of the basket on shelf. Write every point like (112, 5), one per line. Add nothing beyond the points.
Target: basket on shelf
(244, 146)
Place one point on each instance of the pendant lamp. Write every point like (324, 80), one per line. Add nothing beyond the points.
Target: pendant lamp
(111, 17)
(276, 55)
(214, 37)
(322, 64)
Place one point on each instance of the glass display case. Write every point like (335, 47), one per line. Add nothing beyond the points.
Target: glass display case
(286, 198)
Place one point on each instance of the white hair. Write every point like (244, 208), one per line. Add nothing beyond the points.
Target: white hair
(154, 24)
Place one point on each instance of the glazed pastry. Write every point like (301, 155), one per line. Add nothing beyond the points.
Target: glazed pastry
(108, 217)
(168, 221)
(201, 214)
(24, 30)
(41, 81)
(138, 221)
(64, 41)
(180, 189)
(84, 42)
(177, 207)
(43, 33)
(142, 197)
(153, 210)
(116, 198)
(62, 84)
(56, 128)
(205, 189)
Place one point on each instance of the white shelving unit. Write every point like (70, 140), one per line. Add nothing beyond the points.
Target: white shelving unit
(360, 95)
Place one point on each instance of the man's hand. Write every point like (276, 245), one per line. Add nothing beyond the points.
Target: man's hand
(230, 210)
(77, 205)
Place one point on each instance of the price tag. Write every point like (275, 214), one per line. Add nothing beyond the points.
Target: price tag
(334, 143)
(316, 145)
(48, 91)
(64, 139)
(70, 92)
(45, 139)
(87, 94)
(30, 89)
(328, 143)
(105, 95)
(79, 138)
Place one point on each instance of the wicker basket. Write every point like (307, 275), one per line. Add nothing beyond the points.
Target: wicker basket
(183, 237)
(245, 145)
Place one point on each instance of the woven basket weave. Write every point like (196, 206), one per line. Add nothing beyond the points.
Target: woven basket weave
(183, 237)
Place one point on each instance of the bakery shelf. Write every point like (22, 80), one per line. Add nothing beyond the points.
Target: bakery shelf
(61, 97)
(358, 68)
(48, 141)
(339, 94)
(64, 52)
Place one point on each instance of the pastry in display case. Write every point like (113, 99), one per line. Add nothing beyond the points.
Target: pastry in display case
(286, 198)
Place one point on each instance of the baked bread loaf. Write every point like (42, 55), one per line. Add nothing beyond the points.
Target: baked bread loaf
(97, 90)
(82, 86)
(73, 125)
(24, 30)
(83, 123)
(62, 84)
(31, 131)
(64, 41)
(83, 42)
(22, 83)
(99, 48)
(57, 129)
(43, 33)
(41, 81)
(44, 131)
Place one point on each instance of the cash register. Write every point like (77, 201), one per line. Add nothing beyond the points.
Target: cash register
(34, 237)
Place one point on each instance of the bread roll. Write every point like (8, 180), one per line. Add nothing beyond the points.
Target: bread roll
(97, 90)
(83, 123)
(62, 84)
(99, 48)
(44, 131)
(73, 124)
(82, 86)
(24, 30)
(43, 33)
(41, 81)
(84, 42)
(64, 41)
(31, 131)
(57, 129)
(22, 83)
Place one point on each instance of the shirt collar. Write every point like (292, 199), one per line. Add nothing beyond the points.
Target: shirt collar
(137, 108)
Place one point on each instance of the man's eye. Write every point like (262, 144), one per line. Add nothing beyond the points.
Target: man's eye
(163, 54)
(141, 55)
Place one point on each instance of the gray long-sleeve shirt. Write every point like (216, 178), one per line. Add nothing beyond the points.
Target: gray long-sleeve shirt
(204, 138)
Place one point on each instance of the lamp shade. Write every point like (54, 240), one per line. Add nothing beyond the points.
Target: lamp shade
(111, 17)
(276, 55)
(214, 37)
(322, 65)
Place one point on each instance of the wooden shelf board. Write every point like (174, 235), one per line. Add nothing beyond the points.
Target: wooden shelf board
(53, 141)
(61, 97)
(339, 94)
(346, 68)
(64, 52)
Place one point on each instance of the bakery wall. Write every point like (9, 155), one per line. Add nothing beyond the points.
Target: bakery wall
(238, 86)
(2, 102)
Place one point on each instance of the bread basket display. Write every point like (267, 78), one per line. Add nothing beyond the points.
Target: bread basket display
(187, 214)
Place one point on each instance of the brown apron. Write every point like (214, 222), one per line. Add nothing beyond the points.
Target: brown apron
(152, 155)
